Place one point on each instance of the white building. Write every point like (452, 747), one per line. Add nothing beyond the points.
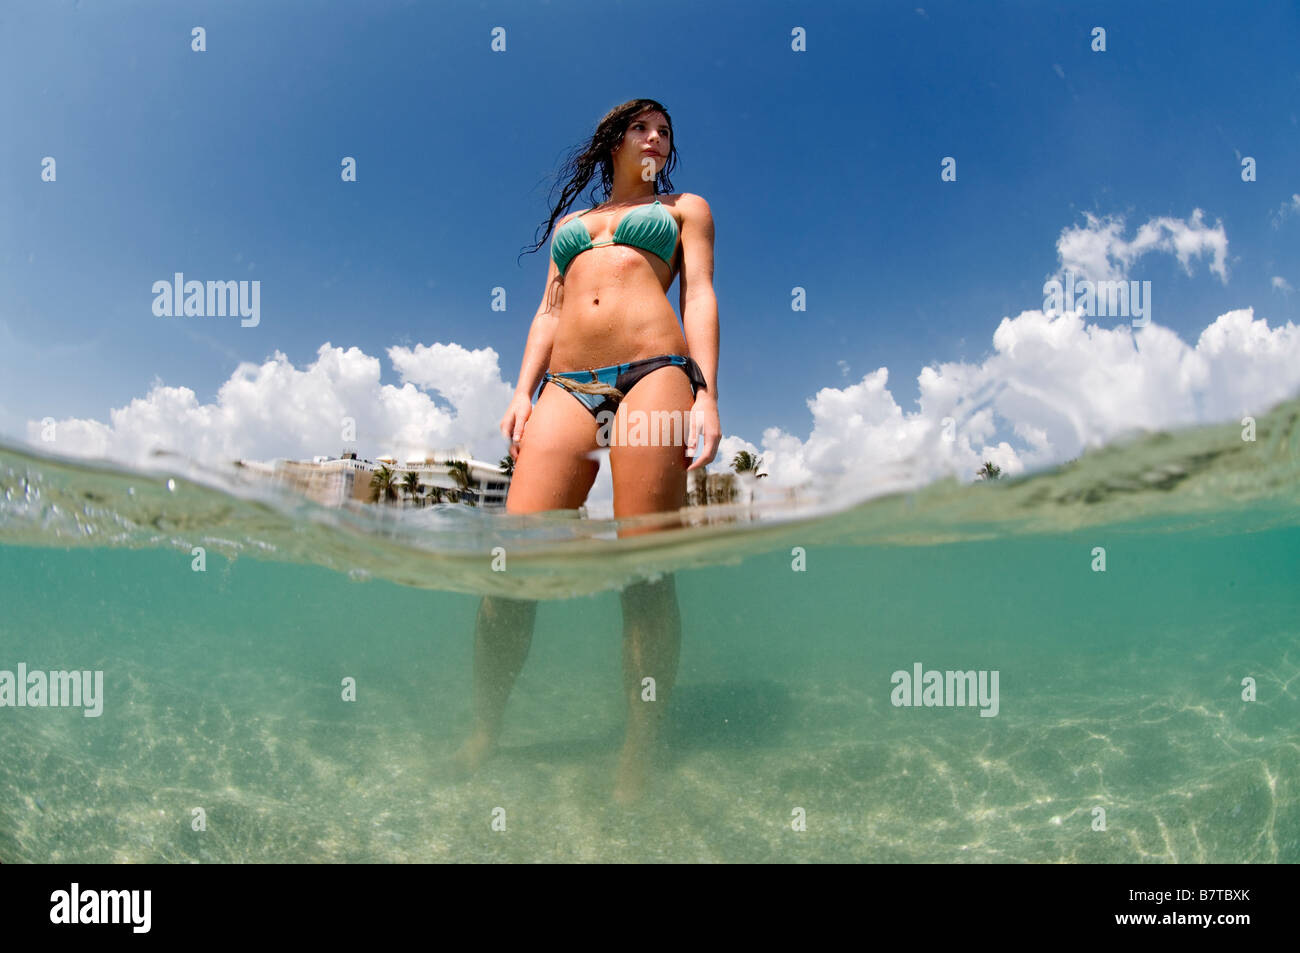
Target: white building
(331, 481)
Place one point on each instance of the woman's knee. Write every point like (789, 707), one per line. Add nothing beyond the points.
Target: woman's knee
(493, 606)
(643, 594)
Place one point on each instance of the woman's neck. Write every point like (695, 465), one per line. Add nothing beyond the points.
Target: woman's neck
(629, 196)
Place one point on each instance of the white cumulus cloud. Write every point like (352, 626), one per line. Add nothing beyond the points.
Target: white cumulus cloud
(274, 409)
(1098, 251)
(1053, 386)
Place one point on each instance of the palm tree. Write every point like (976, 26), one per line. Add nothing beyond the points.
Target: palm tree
(990, 471)
(382, 485)
(698, 494)
(746, 462)
(459, 470)
(507, 465)
(411, 484)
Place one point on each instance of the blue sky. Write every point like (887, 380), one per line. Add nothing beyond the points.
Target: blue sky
(822, 169)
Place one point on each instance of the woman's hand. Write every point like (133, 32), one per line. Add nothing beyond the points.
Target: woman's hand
(705, 430)
(512, 424)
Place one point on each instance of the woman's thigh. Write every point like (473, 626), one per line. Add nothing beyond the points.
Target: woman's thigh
(647, 455)
(557, 463)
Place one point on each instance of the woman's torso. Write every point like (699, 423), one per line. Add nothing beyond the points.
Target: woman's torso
(615, 299)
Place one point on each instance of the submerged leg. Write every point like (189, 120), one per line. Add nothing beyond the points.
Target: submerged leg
(649, 479)
(503, 632)
(553, 471)
(652, 638)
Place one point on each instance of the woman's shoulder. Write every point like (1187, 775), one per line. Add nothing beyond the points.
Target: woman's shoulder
(569, 216)
(690, 204)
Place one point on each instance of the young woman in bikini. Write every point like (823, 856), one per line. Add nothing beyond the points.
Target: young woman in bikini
(606, 338)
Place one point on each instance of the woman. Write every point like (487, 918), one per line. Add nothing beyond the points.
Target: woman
(606, 337)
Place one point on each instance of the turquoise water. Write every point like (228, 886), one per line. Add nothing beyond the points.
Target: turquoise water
(1119, 690)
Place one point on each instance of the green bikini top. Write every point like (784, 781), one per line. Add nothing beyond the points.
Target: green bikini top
(649, 227)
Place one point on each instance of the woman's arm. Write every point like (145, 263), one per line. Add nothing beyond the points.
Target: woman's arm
(699, 306)
(537, 357)
(541, 334)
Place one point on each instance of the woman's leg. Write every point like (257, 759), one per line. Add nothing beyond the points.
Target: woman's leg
(502, 633)
(649, 479)
(554, 471)
(652, 639)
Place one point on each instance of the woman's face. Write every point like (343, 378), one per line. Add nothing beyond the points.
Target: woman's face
(647, 141)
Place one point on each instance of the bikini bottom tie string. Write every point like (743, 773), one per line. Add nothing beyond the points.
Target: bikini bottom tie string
(588, 387)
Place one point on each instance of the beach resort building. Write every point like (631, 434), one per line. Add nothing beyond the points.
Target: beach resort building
(332, 481)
